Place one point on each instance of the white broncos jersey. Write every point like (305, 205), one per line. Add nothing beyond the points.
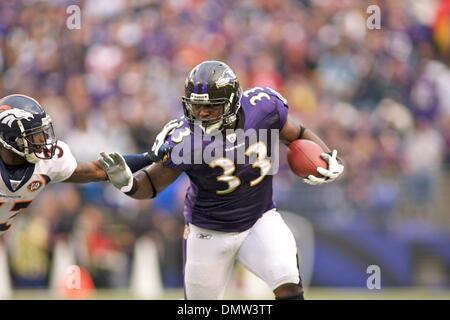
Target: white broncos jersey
(17, 195)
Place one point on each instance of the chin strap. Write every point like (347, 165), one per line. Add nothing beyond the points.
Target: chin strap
(218, 126)
(213, 127)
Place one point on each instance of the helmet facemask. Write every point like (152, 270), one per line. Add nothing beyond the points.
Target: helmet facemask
(219, 108)
(210, 125)
(40, 143)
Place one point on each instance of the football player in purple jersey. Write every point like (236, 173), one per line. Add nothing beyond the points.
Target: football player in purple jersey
(225, 143)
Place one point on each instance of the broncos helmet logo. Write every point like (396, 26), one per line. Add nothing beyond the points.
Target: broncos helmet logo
(9, 116)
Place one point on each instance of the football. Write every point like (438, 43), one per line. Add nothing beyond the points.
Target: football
(304, 157)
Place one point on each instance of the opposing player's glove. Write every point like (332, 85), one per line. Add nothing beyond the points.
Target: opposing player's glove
(330, 174)
(160, 148)
(118, 172)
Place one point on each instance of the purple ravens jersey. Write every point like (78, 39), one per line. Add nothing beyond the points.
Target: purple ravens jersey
(231, 172)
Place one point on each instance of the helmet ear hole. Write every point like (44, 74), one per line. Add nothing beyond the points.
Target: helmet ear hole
(13, 140)
(10, 139)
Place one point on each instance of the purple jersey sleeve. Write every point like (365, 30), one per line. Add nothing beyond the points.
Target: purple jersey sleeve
(281, 109)
(265, 108)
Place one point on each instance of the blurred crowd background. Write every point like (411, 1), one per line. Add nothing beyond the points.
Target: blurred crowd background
(381, 97)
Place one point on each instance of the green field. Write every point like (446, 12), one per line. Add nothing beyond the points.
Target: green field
(311, 294)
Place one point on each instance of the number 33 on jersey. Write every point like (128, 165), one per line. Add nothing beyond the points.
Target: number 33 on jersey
(223, 185)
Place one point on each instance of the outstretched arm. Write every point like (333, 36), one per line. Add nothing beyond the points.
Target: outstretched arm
(88, 172)
(93, 171)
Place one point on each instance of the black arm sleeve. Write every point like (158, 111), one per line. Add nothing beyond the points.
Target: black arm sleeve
(302, 131)
(138, 161)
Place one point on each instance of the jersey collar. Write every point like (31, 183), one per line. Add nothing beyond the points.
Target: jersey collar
(27, 175)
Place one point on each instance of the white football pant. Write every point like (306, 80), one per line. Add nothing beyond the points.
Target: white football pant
(267, 249)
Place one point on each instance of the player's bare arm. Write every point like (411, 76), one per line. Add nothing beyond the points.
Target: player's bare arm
(292, 131)
(93, 171)
(87, 172)
(153, 180)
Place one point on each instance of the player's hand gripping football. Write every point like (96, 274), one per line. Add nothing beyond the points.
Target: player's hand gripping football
(334, 170)
(118, 172)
